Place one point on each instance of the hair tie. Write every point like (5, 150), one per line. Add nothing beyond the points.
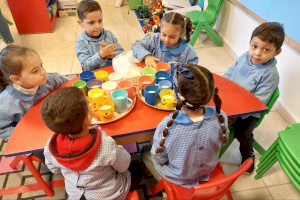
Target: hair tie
(166, 127)
(181, 97)
(163, 137)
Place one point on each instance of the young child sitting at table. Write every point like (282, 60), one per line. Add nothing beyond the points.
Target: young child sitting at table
(256, 71)
(93, 165)
(23, 82)
(193, 134)
(95, 47)
(168, 45)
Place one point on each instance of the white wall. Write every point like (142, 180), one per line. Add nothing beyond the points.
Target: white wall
(235, 27)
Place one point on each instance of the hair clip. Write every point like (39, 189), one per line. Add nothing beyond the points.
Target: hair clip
(185, 72)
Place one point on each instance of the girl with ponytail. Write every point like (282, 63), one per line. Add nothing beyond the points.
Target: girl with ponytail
(187, 143)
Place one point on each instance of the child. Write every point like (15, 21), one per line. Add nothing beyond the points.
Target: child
(95, 47)
(168, 45)
(256, 71)
(4, 31)
(187, 143)
(23, 82)
(93, 165)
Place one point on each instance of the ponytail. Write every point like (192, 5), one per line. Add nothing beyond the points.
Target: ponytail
(188, 28)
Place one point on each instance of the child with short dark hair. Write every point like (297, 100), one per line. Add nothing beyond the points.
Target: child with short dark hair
(23, 82)
(93, 165)
(95, 47)
(168, 45)
(256, 71)
(187, 143)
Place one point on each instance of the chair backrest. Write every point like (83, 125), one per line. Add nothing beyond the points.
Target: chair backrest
(270, 104)
(215, 188)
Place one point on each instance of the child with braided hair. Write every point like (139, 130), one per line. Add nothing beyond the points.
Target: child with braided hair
(187, 143)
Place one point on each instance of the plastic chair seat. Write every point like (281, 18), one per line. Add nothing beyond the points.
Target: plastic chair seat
(291, 175)
(290, 138)
(288, 158)
(217, 186)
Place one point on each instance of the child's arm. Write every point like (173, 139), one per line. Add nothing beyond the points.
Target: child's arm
(119, 48)
(122, 161)
(146, 46)
(7, 124)
(267, 85)
(48, 160)
(229, 72)
(88, 60)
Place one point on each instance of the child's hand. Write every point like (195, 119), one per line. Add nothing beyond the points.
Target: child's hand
(231, 120)
(107, 51)
(150, 61)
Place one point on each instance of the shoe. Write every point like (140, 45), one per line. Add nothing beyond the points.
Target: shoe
(251, 168)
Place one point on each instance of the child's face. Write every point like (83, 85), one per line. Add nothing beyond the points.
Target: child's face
(170, 34)
(92, 24)
(261, 52)
(33, 73)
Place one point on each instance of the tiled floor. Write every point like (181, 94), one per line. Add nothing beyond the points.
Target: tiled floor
(57, 50)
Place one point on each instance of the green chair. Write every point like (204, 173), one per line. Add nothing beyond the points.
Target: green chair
(205, 20)
(285, 150)
(256, 145)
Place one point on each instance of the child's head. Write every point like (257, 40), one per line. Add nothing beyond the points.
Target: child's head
(66, 111)
(266, 42)
(172, 27)
(90, 17)
(194, 87)
(21, 65)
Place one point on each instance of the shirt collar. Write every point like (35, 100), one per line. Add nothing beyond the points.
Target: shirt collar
(184, 119)
(175, 51)
(22, 96)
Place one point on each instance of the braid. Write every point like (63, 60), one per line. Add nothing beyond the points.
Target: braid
(218, 103)
(166, 129)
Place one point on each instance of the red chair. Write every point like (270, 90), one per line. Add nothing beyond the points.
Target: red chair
(217, 186)
(133, 195)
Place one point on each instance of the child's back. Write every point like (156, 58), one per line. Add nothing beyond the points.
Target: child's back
(186, 144)
(93, 165)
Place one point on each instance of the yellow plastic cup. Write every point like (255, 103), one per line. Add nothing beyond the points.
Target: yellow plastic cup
(101, 75)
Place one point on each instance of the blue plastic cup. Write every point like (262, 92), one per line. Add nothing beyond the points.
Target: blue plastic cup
(151, 94)
(162, 75)
(86, 76)
(164, 84)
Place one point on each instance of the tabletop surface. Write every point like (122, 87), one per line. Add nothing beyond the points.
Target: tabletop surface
(31, 134)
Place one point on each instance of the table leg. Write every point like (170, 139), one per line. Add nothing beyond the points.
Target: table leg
(28, 162)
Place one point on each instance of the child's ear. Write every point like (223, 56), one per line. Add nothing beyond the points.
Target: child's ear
(277, 52)
(88, 120)
(79, 22)
(15, 79)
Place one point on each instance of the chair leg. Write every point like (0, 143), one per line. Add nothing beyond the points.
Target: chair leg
(258, 147)
(229, 196)
(28, 162)
(213, 35)
(196, 34)
(156, 188)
